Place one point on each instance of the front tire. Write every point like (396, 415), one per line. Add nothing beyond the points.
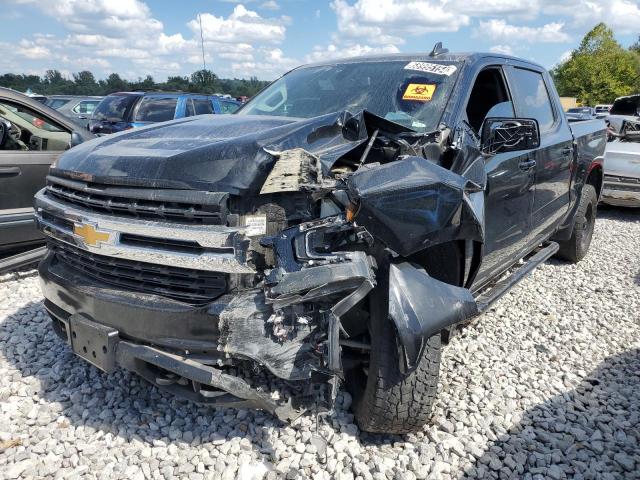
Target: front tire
(385, 399)
(576, 248)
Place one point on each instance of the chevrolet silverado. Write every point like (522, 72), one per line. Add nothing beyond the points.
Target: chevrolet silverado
(332, 233)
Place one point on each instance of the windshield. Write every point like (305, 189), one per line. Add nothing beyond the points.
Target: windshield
(413, 94)
(114, 108)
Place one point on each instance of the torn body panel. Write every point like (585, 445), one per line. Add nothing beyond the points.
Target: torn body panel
(421, 306)
(414, 203)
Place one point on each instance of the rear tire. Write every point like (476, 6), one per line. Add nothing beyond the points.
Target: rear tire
(576, 248)
(386, 400)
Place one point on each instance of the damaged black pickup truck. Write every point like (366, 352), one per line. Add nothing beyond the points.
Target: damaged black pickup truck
(332, 232)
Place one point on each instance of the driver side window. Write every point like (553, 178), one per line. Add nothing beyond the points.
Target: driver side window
(26, 129)
(489, 98)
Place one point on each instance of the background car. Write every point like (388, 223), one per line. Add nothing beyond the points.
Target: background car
(75, 107)
(602, 110)
(124, 110)
(622, 156)
(583, 113)
(32, 136)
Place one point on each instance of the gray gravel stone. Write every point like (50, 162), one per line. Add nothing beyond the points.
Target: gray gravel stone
(544, 385)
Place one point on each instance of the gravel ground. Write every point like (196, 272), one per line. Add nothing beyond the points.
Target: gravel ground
(546, 385)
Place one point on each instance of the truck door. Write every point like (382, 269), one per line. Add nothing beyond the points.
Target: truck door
(510, 178)
(533, 98)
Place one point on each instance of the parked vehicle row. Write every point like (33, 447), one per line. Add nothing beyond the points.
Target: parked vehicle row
(125, 110)
(78, 108)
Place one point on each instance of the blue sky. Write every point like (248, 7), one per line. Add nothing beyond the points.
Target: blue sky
(265, 38)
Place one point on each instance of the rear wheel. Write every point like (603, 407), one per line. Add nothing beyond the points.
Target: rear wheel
(577, 246)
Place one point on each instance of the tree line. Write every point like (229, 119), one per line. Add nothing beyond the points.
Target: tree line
(600, 69)
(85, 83)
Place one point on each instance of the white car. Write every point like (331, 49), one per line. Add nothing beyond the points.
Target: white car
(622, 155)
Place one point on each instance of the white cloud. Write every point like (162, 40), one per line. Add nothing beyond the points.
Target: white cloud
(384, 22)
(494, 7)
(242, 25)
(32, 50)
(332, 51)
(500, 31)
(503, 49)
(623, 16)
(266, 63)
(124, 35)
(270, 5)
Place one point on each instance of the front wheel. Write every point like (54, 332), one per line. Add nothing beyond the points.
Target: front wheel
(385, 399)
(577, 246)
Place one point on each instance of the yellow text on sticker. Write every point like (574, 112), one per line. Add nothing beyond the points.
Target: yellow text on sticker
(419, 91)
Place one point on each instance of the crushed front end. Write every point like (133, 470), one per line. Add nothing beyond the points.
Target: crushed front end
(190, 287)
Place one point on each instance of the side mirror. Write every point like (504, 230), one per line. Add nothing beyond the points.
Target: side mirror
(76, 139)
(509, 135)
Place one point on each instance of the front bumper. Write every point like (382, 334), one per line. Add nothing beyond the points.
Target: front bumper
(174, 372)
(146, 318)
(621, 191)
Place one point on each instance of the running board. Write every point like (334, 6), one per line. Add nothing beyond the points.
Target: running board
(22, 259)
(487, 297)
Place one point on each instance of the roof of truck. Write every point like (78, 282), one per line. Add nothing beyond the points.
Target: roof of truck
(423, 57)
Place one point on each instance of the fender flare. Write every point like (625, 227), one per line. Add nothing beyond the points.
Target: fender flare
(421, 306)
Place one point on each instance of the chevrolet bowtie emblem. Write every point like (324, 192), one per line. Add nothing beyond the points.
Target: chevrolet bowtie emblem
(90, 235)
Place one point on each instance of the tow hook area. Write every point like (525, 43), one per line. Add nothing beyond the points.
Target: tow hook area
(101, 346)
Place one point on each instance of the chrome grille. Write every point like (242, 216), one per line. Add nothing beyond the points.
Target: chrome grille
(155, 204)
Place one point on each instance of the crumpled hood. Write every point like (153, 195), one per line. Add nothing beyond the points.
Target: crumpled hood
(223, 153)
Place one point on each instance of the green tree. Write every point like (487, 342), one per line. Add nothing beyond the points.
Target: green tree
(84, 83)
(113, 83)
(203, 81)
(54, 83)
(636, 46)
(599, 70)
(177, 83)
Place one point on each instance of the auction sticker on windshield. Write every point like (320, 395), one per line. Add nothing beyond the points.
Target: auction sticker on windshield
(419, 92)
(431, 68)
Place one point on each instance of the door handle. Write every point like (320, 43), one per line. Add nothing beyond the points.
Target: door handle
(567, 150)
(9, 171)
(527, 164)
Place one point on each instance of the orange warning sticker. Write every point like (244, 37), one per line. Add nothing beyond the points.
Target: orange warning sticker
(419, 91)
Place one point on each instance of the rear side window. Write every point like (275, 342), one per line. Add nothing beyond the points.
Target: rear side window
(202, 106)
(86, 107)
(114, 108)
(156, 109)
(228, 107)
(532, 97)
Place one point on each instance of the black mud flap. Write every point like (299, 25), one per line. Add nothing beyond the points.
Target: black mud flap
(421, 306)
